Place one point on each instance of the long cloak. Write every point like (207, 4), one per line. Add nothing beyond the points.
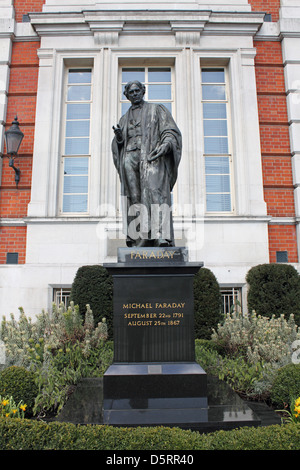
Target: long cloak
(157, 178)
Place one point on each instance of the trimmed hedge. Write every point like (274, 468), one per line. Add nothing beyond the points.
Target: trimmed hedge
(207, 303)
(18, 434)
(286, 385)
(274, 289)
(94, 286)
(19, 383)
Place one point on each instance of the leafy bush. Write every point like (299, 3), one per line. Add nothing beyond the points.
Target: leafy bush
(57, 377)
(236, 371)
(274, 289)
(16, 434)
(94, 286)
(10, 409)
(60, 347)
(207, 303)
(286, 385)
(258, 338)
(19, 383)
(30, 343)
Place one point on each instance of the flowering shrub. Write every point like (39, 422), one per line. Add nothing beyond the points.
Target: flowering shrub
(27, 342)
(297, 409)
(258, 338)
(60, 347)
(9, 409)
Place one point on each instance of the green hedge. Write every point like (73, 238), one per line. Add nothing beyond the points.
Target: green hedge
(274, 289)
(94, 286)
(17, 434)
(207, 303)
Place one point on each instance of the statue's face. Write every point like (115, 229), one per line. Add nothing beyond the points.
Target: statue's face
(135, 94)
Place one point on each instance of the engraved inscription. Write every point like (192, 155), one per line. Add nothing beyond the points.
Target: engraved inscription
(154, 313)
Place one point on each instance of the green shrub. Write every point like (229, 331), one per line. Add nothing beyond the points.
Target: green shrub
(19, 383)
(16, 434)
(286, 385)
(240, 375)
(274, 289)
(256, 337)
(94, 286)
(57, 376)
(207, 303)
(29, 343)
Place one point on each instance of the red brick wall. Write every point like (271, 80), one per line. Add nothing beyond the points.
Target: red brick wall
(13, 240)
(22, 7)
(275, 142)
(283, 238)
(267, 6)
(22, 102)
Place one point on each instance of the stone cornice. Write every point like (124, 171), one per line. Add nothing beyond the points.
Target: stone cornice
(107, 25)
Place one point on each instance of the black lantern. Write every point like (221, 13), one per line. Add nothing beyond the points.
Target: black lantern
(13, 139)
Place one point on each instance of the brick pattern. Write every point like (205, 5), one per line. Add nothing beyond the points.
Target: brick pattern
(275, 141)
(22, 102)
(22, 7)
(13, 240)
(267, 6)
(283, 238)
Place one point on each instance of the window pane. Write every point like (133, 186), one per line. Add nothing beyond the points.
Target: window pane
(75, 203)
(130, 74)
(217, 183)
(159, 92)
(78, 146)
(215, 145)
(78, 111)
(75, 184)
(213, 76)
(78, 129)
(216, 165)
(213, 92)
(76, 166)
(214, 111)
(79, 93)
(80, 76)
(218, 203)
(215, 128)
(159, 75)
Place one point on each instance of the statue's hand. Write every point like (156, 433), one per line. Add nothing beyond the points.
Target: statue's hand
(159, 152)
(118, 133)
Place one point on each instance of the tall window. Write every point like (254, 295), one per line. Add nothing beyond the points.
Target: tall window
(216, 140)
(158, 82)
(76, 153)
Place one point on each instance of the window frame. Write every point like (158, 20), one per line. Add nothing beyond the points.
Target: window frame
(147, 65)
(63, 154)
(233, 296)
(230, 154)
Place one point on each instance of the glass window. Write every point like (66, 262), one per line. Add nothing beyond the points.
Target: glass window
(158, 82)
(77, 141)
(216, 140)
(231, 299)
(62, 295)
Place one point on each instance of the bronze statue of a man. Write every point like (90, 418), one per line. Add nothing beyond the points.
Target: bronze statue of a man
(146, 152)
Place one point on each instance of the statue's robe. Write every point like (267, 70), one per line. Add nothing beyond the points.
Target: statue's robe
(156, 179)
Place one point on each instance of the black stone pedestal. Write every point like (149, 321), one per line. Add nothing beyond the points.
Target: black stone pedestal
(154, 378)
(155, 394)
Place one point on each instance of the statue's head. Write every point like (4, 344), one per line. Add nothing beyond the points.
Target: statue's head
(134, 91)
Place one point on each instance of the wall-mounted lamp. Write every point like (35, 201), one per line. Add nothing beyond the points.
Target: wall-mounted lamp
(13, 139)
